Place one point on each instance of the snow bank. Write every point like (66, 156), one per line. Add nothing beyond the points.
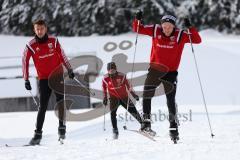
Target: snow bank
(218, 60)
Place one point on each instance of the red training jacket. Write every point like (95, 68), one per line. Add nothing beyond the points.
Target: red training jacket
(46, 57)
(166, 51)
(116, 86)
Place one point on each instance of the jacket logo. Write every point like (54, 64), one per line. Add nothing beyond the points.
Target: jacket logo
(172, 38)
(45, 56)
(50, 45)
(38, 49)
(165, 46)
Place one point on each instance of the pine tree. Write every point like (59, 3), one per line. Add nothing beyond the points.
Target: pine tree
(86, 17)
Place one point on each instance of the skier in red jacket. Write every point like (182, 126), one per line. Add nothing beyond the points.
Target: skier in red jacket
(116, 84)
(167, 46)
(47, 55)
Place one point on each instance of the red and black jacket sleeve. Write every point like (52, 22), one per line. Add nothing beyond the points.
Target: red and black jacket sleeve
(62, 56)
(195, 37)
(25, 62)
(104, 87)
(128, 87)
(143, 29)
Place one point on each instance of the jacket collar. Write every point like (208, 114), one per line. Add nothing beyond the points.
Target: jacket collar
(43, 39)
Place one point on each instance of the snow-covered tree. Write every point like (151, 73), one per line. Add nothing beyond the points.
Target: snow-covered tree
(86, 17)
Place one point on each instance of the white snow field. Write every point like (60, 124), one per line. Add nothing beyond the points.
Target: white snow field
(219, 62)
(218, 59)
(88, 141)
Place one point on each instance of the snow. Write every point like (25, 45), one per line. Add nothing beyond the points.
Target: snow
(87, 140)
(218, 59)
(15, 88)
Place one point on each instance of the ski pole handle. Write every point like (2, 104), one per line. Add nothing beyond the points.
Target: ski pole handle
(190, 39)
(138, 23)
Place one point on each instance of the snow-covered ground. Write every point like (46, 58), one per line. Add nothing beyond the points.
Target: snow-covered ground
(218, 58)
(88, 141)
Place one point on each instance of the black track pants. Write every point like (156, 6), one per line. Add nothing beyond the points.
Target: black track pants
(114, 104)
(45, 93)
(169, 81)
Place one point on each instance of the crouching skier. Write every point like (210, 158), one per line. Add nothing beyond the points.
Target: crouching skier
(47, 55)
(116, 84)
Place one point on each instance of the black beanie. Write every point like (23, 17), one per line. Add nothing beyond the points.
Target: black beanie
(169, 18)
(111, 65)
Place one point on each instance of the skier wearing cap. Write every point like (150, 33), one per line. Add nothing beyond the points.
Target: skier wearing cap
(47, 55)
(167, 46)
(116, 85)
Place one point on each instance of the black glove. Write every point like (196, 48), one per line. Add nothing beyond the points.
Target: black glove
(187, 23)
(139, 15)
(105, 101)
(135, 96)
(71, 75)
(28, 85)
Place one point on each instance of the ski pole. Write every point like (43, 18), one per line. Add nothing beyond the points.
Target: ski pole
(126, 113)
(134, 55)
(135, 49)
(64, 99)
(34, 99)
(88, 90)
(104, 120)
(200, 83)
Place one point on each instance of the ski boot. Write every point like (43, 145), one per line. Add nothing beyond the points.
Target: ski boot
(36, 138)
(146, 126)
(115, 133)
(61, 133)
(173, 132)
